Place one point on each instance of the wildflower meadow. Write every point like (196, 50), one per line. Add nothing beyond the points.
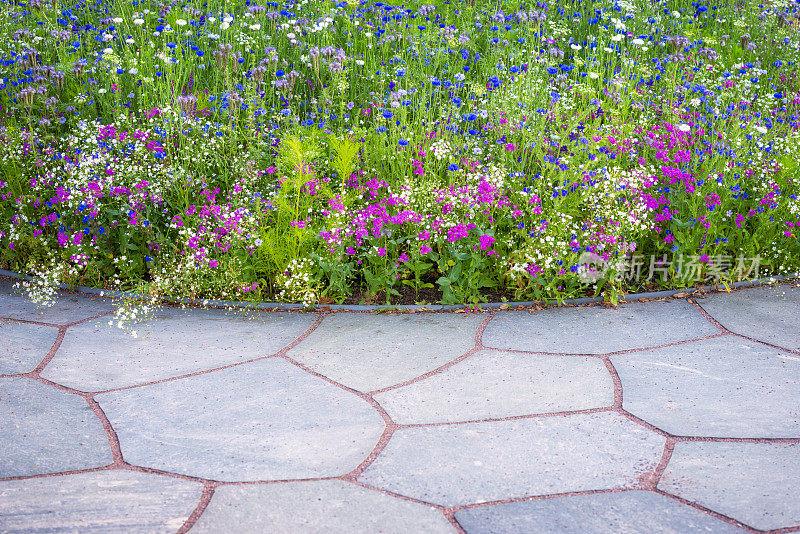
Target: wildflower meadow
(455, 151)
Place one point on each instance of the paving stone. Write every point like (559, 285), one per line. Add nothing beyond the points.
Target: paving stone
(46, 430)
(725, 387)
(755, 483)
(266, 420)
(369, 352)
(479, 462)
(629, 512)
(317, 506)
(68, 308)
(24, 346)
(102, 501)
(491, 384)
(597, 330)
(766, 313)
(95, 356)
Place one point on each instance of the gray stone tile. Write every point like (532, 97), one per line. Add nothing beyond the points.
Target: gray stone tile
(24, 346)
(629, 512)
(95, 356)
(597, 330)
(755, 483)
(724, 387)
(46, 430)
(369, 352)
(266, 420)
(68, 308)
(766, 313)
(102, 501)
(478, 462)
(492, 384)
(319, 506)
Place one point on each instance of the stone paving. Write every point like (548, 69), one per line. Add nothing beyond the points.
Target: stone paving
(677, 415)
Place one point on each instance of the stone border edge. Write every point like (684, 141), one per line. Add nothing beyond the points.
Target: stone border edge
(274, 306)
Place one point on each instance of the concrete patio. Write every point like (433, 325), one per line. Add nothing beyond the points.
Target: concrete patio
(677, 415)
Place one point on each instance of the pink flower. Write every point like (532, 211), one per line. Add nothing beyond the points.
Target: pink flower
(486, 241)
(382, 251)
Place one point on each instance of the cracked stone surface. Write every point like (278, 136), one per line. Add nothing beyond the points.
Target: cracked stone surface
(94, 356)
(755, 483)
(597, 330)
(316, 506)
(628, 512)
(479, 462)
(725, 386)
(68, 308)
(265, 421)
(368, 352)
(747, 311)
(429, 422)
(45, 430)
(103, 501)
(493, 384)
(24, 346)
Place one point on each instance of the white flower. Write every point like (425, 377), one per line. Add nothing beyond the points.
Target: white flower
(593, 75)
(638, 41)
(761, 129)
(575, 47)
(138, 22)
(684, 127)
(180, 22)
(290, 36)
(117, 20)
(224, 25)
(617, 38)
(255, 26)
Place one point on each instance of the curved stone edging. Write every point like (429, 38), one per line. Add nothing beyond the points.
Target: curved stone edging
(274, 306)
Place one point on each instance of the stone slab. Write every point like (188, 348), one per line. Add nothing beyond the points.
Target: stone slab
(597, 330)
(95, 356)
(315, 506)
(480, 462)
(266, 420)
(369, 352)
(724, 387)
(102, 501)
(766, 313)
(24, 346)
(628, 512)
(755, 483)
(68, 308)
(491, 385)
(46, 430)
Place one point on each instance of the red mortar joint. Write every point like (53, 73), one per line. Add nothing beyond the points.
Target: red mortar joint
(618, 394)
(510, 418)
(705, 314)
(540, 497)
(710, 512)
(62, 331)
(450, 515)
(655, 477)
(282, 352)
(476, 348)
(104, 314)
(31, 321)
(205, 499)
(393, 494)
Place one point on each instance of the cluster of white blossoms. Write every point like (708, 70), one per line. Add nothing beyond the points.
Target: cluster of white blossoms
(297, 283)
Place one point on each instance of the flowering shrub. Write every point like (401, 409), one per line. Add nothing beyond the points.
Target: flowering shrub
(307, 150)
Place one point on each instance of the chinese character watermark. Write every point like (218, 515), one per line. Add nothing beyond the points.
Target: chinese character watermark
(691, 269)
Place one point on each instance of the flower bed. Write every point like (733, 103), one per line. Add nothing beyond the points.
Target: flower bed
(312, 151)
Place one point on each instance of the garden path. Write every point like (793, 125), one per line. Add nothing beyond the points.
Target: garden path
(678, 415)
